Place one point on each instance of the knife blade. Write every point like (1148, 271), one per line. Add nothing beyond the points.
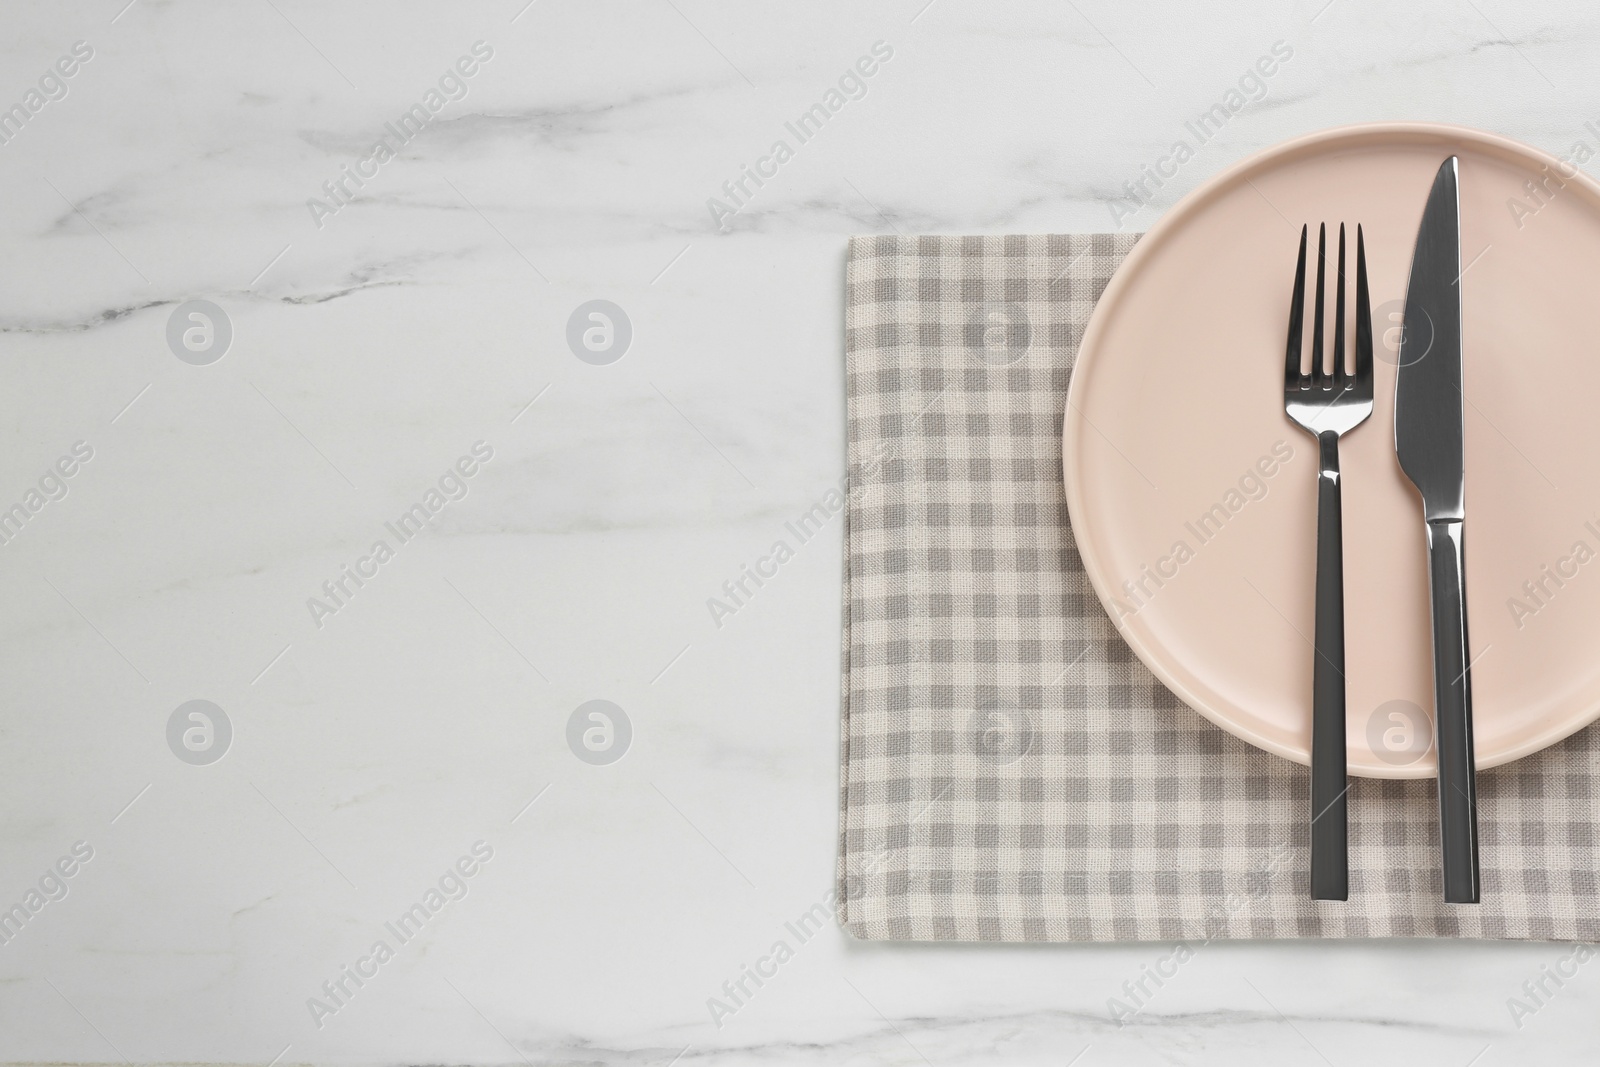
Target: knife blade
(1427, 400)
(1428, 434)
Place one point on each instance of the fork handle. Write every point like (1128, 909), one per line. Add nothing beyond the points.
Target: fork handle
(1452, 712)
(1330, 860)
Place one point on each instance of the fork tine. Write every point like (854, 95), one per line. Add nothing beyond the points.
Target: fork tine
(1297, 319)
(1363, 317)
(1318, 378)
(1339, 376)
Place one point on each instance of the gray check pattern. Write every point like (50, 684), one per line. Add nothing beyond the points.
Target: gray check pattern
(1010, 771)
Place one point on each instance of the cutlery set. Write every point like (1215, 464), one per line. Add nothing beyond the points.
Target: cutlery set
(1328, 399)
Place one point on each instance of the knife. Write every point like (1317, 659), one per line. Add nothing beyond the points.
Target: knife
(1428, 441)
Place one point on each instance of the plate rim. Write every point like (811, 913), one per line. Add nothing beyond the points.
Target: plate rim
(1073, 422)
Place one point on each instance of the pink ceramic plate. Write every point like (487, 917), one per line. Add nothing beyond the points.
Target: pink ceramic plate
(1193, 498)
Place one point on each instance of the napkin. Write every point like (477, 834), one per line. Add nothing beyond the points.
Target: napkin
(1009, 770)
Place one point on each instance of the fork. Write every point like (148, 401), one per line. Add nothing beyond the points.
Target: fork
(1328, 402)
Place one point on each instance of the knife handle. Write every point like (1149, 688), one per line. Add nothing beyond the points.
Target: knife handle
(1330, 858)
(1452, 712)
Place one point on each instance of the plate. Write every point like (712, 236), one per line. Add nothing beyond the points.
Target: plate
(1193, 498)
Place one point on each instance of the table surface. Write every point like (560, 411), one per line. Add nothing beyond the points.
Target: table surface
(396, 347)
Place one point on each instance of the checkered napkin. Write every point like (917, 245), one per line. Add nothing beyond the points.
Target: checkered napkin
(1010, 771)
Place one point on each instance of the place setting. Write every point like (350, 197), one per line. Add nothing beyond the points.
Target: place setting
(1232, 580)
(897, 528)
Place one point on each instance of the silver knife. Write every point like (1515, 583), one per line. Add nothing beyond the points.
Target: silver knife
(1428, 440)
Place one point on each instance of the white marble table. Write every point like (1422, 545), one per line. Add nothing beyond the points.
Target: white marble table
(379, 729)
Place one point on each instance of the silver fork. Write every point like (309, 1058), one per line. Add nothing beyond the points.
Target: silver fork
(1328, 402)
